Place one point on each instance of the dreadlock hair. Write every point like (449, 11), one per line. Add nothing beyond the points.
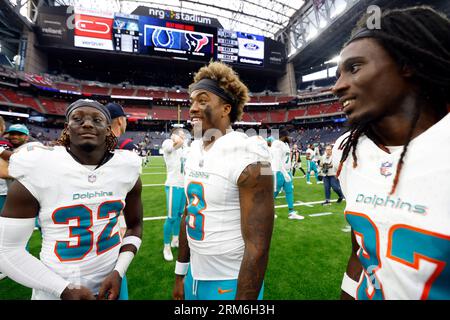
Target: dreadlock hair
(417, 38)
(111, 140)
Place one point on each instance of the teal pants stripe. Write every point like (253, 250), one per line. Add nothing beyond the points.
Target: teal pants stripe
(311, 166)
(175, 202)
(212, 289)
(288, 189)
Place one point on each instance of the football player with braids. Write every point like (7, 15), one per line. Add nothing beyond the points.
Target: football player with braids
(394, 86)
(77, 190)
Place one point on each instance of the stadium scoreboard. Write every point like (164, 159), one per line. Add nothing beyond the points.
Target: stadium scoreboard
(240, 47)
(175, 39)
(158, 35)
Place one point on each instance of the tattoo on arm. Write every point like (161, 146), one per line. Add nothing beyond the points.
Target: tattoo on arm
(257, 213)
(133, 213)
(183, 247)
(354, 267)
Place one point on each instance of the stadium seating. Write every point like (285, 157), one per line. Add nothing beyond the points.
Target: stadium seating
(267, 99)
(155, 94)
(103, 91)
(178, 95)
(159, 113)
(53, 106)
(122, 92)
(28, 101)
(310, 101)
(284, 99)
(67, 87)
(277, 116)
(247, 117)
(292, 114)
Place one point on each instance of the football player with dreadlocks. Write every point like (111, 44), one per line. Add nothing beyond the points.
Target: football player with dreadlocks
(394, 85)
(77, 190)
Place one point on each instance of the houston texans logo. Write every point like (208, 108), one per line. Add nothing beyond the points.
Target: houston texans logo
(196, 42)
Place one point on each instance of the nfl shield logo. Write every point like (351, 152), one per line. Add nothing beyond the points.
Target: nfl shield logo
(385, 169)
(92, 177)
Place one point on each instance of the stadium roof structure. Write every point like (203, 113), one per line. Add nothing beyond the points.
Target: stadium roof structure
(262, 17)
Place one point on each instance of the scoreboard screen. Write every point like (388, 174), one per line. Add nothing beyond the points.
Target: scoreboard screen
(176, 40)
(159, 36)
(126, 33)
(240, 47)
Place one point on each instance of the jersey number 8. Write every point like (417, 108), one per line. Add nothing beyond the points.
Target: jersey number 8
(195, 219)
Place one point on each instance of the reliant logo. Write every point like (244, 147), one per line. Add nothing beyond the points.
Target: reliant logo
(52, 31)
(199, 174)
(388, 202)
(90, 195)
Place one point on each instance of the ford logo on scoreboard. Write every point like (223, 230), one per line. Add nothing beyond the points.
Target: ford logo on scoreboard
(251, 46)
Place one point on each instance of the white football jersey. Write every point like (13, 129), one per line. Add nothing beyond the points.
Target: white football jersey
(282, 156)
(174, 164)
(404, 238)
(213, 224)
(79, 209)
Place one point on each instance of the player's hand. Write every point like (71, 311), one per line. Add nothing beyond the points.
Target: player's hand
(110, 287)
(77, 293)
(178, 289)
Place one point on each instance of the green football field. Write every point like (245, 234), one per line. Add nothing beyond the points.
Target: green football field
(307, 257)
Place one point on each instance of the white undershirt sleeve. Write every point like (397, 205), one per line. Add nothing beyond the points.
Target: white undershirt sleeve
(20, 265)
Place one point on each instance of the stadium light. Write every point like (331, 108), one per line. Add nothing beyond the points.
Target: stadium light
(334, 60)
(292, 53)
(14, 114)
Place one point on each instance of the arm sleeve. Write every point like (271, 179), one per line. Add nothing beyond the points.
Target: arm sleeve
(255, 149)
(20, 265)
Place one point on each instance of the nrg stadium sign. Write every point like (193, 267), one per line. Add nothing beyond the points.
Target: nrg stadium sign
(173, 15)
(178, 16)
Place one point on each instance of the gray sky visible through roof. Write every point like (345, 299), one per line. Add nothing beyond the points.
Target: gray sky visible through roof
(263, 17)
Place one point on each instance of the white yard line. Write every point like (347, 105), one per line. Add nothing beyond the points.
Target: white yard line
(280, 206)
(320, 214)
(155, 218)
(153, 185)
(305, 204)
(153, 173)
(299, 203)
